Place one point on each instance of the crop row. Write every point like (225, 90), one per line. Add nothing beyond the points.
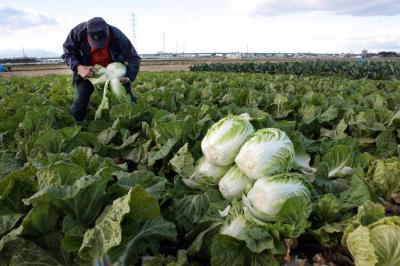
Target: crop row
(378, 70)
(112, 188)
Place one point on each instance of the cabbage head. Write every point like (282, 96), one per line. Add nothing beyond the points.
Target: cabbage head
(384, 176)
(270, 197)
(205, 173)
(233, 183)
(268, 152)
(113, 90)
(223, 140)
(372, 239)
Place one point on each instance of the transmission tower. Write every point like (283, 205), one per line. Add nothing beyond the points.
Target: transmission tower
(163, 42)
(134, 41)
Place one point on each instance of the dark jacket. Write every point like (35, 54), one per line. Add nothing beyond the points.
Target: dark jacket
(77, 51)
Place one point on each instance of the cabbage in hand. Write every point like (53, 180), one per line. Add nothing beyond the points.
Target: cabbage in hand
(110, 75)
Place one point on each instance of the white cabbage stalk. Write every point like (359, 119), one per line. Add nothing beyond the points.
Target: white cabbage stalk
(110, 76)
(268, 195)
(268, 152)
(233, 183)
(116, 70)
(205, 173)
(236, 228)
(223, 140)
(119, 91)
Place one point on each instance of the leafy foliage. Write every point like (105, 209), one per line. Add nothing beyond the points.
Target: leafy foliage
(63, 185)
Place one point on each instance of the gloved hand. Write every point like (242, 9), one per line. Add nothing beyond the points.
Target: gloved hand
(125, 80)
(85, 71)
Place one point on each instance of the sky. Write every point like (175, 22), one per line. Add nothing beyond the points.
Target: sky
(319, 26)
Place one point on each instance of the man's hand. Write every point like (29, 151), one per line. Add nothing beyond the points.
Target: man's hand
(125, 80)
(85, 71)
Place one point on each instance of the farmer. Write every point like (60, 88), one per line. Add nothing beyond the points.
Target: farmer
(95, 42)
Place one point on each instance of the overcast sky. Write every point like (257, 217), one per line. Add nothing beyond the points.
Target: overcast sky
(212, 25)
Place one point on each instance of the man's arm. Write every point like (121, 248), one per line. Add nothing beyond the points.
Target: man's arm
(71, 51)
(131, 57)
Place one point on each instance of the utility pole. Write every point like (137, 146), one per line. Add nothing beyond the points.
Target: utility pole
(134, 41)
(163, 41)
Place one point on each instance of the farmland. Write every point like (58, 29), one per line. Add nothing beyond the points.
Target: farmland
(72, 193)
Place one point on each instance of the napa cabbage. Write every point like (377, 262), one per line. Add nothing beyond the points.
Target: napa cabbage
(270, 196)
(268, 152)
(205, 173)
(113, 90)
(223, 140)
(233, 183)
(372, 238)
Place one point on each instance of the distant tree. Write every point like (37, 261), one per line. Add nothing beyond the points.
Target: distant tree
(19, 60)
(388, 54)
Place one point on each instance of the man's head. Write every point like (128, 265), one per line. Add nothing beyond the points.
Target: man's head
(97, 30)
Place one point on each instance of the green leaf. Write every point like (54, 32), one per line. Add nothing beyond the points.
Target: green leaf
(226, 250)
(84, 199)
(357, 193)
(147, 236)
(8, 222)
(182, 162)
(73, 234)
(191, 208)
(8, 164)
(384, 235)
(57, 141)
(308, 113)
(14, 188)
(328, 234)
(330, 114)
(361, 248)
(24, 252)
(338, 158)
(157, 154)
(337, 133)
(386, 144)
(395, 121)
(60, 174)
(383, 176)
(154, 185)
(86, 159)
(108, 134)
(293, 216)
(369, 213)
(327, 208)
(108, 233)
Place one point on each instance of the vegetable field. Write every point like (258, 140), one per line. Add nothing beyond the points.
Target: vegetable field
(209, 168)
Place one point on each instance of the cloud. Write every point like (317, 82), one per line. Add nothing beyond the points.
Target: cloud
(12, 19)
(337, 7)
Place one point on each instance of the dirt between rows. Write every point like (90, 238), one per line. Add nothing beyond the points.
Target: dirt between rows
(64, 70)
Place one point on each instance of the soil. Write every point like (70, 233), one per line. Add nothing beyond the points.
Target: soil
(60, 70)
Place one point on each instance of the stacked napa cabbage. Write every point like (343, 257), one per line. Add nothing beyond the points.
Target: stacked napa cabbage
(235, 156)
(220, 147)
(252, 169)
